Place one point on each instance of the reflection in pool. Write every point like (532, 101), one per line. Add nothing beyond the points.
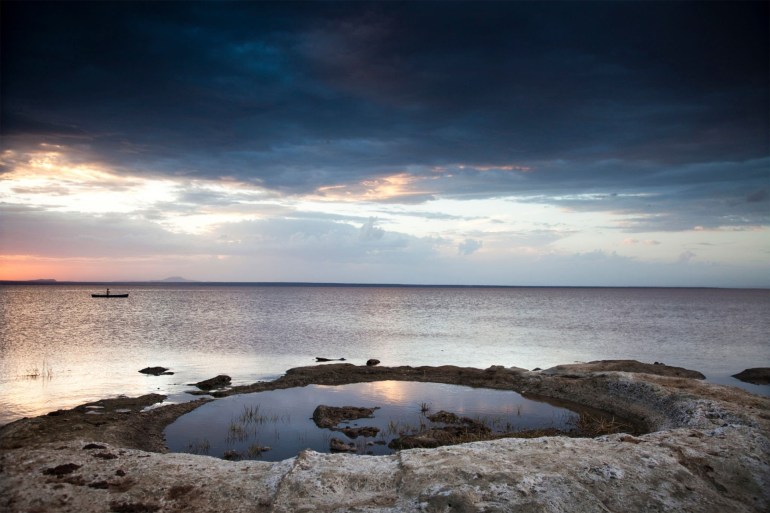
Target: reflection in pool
(278, 424)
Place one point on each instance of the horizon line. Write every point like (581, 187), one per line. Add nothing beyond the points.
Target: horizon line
(50, 281)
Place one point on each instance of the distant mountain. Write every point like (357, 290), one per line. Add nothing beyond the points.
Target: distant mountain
(176, 279)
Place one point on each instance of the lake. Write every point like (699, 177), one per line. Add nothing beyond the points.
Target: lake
(59, 347)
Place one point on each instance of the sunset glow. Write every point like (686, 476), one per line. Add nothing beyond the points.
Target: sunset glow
(278, 145)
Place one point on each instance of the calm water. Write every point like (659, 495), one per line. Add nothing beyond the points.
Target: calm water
(59, 347)
(281, 419)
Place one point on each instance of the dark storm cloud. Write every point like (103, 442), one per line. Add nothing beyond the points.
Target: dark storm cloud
(592, 96)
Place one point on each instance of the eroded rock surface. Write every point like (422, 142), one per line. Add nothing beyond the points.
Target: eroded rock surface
(708, 452)
(659, 369)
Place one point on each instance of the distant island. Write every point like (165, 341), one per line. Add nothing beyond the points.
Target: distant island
(175, 279)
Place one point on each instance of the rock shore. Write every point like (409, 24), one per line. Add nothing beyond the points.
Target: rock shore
(707, 450)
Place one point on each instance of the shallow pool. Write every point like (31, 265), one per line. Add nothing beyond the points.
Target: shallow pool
(276, 425)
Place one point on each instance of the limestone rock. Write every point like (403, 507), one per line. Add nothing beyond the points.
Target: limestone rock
(708, 451)
(656, 368)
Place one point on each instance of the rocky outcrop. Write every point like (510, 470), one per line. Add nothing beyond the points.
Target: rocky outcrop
(657, 368)
(756, 375)
(708, 451)
(156, 371)
(220, 381)
(372, 362)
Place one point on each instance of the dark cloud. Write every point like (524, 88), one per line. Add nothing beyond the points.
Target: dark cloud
(593, 97)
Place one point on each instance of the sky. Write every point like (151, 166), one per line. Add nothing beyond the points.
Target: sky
(489, 143)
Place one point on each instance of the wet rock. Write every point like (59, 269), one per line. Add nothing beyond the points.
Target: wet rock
(337, 445)
(156, 371)
(60, 470)
(444, 416)
(429, 439)
(321, 359)
(232, 455)
(755, 375)
(105, 455)
(220, 381)
(372, 362)
(329, 416)
(467, 423)
(133, 507)
(366, 431)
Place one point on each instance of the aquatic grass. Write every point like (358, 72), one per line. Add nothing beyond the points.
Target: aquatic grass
(236, 432)
(199, 447)
(251, 415)
(255, 450)
(45, 372)
(588, 425)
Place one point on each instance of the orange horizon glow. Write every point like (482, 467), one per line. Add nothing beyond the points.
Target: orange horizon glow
(30, 267)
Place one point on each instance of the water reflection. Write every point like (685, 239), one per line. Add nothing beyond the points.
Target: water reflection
(245, 426)
(92, 349)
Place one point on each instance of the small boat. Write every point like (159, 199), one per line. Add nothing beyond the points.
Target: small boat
(109, 295)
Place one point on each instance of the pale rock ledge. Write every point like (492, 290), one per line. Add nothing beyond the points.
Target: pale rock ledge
(709, 452)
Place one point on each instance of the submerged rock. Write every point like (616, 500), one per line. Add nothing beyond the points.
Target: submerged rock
(337, 445)
(366, 431)
(755, 375)
(215, 382)
(232, 455)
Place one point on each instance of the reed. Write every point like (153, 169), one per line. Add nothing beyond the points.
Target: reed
(199, 447)
(236, 432)
(45, 372)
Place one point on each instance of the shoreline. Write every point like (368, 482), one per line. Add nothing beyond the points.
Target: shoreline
(713, 439)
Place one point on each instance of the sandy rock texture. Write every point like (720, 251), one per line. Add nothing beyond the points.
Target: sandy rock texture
(708, 450)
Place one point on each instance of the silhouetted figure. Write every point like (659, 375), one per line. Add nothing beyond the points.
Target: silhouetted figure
(108, 292)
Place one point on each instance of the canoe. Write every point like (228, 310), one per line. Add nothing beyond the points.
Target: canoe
(109, 295)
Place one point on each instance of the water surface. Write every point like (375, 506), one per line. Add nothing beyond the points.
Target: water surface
(281, 419)
(59, 347)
